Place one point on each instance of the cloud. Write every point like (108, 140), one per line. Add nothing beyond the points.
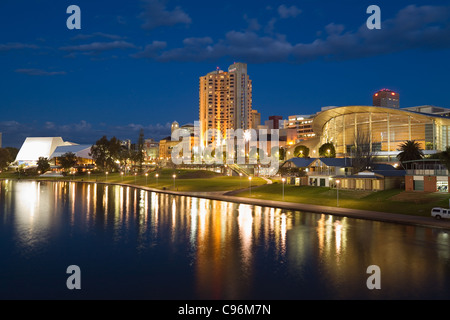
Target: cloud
(16, 45)
(39, 72)
(288, 12)
(414, 27)
(155, 14)
(121, 20)
(151, 51)
(98, 34)
(98, 47)
(253, 23)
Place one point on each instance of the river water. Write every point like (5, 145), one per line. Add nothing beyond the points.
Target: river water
(134, 244)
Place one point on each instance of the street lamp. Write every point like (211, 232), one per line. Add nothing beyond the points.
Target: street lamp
(250, 183)
(135, 174)
(121, 175)
(156, 175)
(146, 178)
(89, 175)
(240, 179)
(174, 176)
(337, 192)
(283, 180)
(106, 176)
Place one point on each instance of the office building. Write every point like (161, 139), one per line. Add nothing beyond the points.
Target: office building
(303, 126)
(274, 122)
(386, 98)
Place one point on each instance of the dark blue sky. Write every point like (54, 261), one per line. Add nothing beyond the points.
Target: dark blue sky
(136, 64)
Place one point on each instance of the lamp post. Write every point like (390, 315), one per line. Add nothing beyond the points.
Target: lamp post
(174, 176)
(121, 175)
(89, 175)
(337, 192)
(283, 180)
(106, 176)
(146, 178)
(156, 175)
(135, 174)
(240, 179)
(250, 183)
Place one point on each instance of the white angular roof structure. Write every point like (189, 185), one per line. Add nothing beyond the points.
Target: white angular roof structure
(36, 147)
(80, 151)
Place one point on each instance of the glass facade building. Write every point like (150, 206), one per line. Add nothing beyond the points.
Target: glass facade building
(381, 129)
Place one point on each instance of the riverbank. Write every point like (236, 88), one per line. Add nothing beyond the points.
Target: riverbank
(253, 197)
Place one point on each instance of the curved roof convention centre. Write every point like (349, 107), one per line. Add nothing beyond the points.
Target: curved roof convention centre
(324, 116)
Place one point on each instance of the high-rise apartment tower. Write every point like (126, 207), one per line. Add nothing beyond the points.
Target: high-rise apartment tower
(225, 100)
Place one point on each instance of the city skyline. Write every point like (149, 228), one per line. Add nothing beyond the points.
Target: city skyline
(116, 75)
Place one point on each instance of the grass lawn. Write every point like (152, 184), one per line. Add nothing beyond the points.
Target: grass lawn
(396, 201)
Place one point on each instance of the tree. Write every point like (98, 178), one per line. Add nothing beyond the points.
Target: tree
(12, 153)
(7, 156)
(279, 153)
(327, 150)
(140, 152)
(362, 157)
(4, 158)
(43, 165)
(444, 156)
(106, 152)
(301, 151)
(68, 160)
(410, 150)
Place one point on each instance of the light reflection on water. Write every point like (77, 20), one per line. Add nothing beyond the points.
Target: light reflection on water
(159, 246)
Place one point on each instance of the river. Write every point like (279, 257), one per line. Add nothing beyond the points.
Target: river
(131, 243)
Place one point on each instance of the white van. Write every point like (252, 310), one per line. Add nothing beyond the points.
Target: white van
(440, 213)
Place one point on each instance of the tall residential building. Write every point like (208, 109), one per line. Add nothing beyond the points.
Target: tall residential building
(225, 100)
(386, 98)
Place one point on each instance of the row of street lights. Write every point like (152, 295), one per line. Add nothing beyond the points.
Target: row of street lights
(146, 178)
(283, 180)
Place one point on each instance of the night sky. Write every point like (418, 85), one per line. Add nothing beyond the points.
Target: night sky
(136, 64)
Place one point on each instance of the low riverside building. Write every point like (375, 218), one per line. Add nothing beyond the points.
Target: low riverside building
(329, 172)
(428, 175)
(318, 171)
(381, 177)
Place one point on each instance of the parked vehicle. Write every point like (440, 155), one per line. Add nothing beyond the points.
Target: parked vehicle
(440, 213)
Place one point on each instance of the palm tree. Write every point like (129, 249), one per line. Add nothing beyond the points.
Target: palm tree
(410, 150)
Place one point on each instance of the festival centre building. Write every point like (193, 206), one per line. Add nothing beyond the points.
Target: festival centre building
(383, 129)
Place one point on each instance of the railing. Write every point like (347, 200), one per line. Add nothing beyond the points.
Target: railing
(239, 169)
(427, 172)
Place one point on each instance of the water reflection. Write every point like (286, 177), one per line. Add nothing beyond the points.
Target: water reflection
(223, 250)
